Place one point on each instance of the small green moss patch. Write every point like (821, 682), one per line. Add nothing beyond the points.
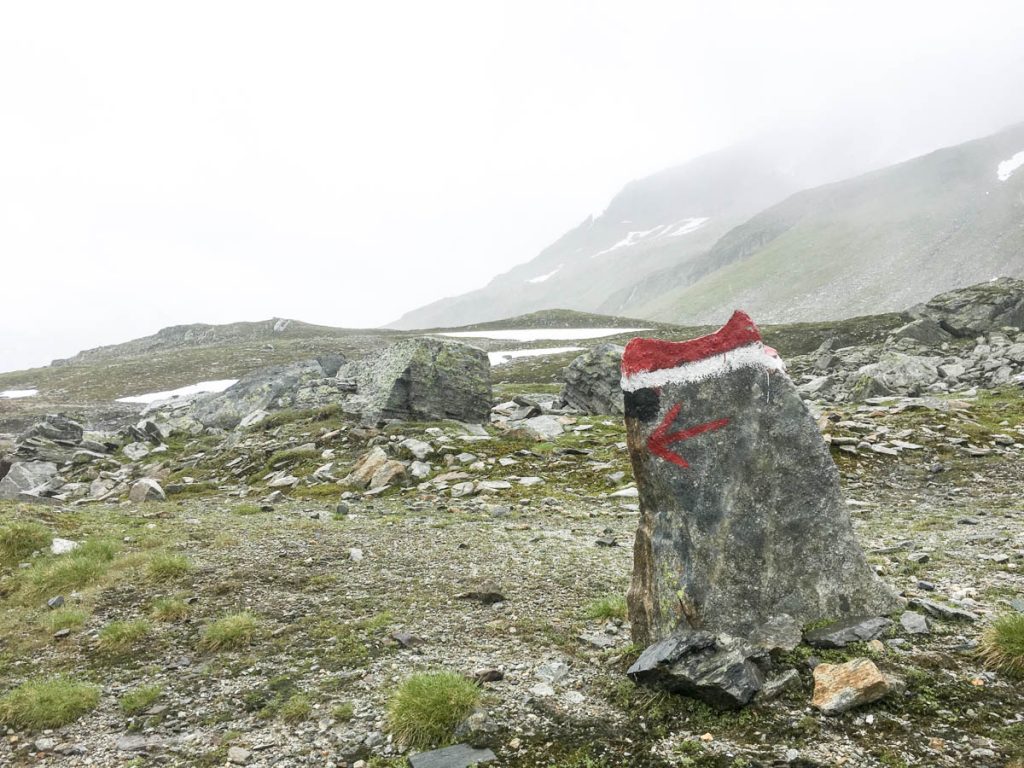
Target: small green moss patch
(140, 699)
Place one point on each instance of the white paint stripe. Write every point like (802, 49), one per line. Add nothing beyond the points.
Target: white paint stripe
(742, 357)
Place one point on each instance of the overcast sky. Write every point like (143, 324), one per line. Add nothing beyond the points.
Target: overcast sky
(341, 163)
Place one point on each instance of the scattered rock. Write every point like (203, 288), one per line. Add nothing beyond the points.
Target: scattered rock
(839, 688)
(858, 629)
(458, 756)
(592, 381)
(914, 623)
(146, 489)
(718, 670)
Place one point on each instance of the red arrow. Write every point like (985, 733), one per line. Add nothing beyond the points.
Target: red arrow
(661, 438)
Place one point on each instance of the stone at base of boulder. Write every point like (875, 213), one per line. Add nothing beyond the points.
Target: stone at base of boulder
(858, 629)
(716, 669)
(458, 756)
(841, 687)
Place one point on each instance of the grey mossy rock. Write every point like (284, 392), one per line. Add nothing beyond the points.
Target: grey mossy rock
(25, 477)
(914, 623)
(422, 380)
(539, 428)
(592, 381)
(755, 525)
(146, 489)
(925, 330)
(978, 309)
(457, 756)
(716, 669)
(256, 391)
(859, 629)
(896, 373)
(56, 427)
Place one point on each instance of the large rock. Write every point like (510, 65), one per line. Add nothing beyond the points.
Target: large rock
(56, 427)
(896, 373)
(924, 330)
(742, 519)
(263, 389)
(715, 669)
(592, 381)
(26, 477)
(422, 380)
(147, 489)
(978, 309)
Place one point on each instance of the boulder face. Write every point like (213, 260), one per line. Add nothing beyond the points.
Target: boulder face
(422, 380)
(26, 477)
(257, 391)
(742, 519)
(978, 309)
(592, 381)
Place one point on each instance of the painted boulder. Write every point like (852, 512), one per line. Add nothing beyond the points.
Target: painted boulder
(741, 516)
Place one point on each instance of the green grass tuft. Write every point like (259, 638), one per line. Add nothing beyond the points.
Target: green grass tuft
(80, 568)
(427, 707)
(1002, 645)
(169, 609)
(120, 636)
(246, 509)
(343, 712)
(167, 566)
(19, 540)
(140, 699)
(609, 607)
(47, 703)
(64, 618)
(296, 709)
(234, 631)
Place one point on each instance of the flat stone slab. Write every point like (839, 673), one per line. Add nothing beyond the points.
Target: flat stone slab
(859, 629)
(458, 756)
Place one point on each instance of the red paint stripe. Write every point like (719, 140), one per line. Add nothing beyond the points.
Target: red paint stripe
(654, 354)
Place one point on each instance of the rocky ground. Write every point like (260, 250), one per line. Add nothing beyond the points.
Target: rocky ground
(346, 554)
(350, 600)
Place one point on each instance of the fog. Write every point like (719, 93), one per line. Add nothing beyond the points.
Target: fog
(342, 163)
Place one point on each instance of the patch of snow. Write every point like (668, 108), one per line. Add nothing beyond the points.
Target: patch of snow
(686, 226)
(12, 394)
(193, 389)
(1007, 167)
(542, 278)
(506, 355)
(632, 238)
(541, 334)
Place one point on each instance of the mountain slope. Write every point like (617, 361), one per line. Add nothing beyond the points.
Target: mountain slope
(654, 223)
(881, 241)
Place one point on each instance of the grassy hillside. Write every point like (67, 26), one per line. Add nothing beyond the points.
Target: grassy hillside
(883, 241)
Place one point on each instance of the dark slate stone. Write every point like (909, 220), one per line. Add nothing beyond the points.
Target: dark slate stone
(747, 522)
(858, 629)
(458, 756)
(719, 670)
(942, 610)
(592, 381)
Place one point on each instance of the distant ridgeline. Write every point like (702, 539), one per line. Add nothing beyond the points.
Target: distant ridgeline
(732, 230)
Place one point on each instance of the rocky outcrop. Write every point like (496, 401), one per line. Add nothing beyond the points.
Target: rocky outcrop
(260, 390)
(592, 381)
(978, 309)
(27, 478)
(742, 518)
(422, 380)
